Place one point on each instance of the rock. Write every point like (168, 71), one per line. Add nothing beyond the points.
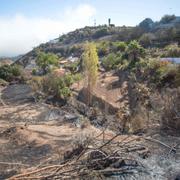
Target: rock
(54, 114)
(71, 117)
(17, 93)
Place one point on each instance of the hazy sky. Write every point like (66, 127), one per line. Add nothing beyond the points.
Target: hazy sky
(25, 24)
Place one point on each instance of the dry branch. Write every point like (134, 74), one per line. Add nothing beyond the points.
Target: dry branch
(114, 158)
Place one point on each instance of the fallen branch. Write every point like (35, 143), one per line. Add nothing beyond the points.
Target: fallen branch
(157, 141)
(14, 164)
(37, 171)
(109, 141)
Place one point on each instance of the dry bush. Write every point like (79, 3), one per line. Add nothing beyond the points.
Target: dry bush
(171, 114)
(84, 122)
(82, 138)
(36, 83)
(139, 121)
(79, 142)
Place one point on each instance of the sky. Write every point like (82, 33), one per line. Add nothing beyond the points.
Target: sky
(25, 24)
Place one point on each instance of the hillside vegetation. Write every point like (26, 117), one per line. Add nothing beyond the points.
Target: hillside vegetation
(148, 33)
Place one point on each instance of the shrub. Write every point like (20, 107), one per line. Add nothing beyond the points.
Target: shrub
(64, 92)
(74, 66)
(119, 46)
(34, 72)
(58, 86)
(51, 85)
(10, 72)
(172, 50)
(3, 82)
(103, 48)
(146, 39)
(45, 61)
(111, 61)
(77, 77)
(156, 72)
(100, 33)
(36, 83)
(135, 51)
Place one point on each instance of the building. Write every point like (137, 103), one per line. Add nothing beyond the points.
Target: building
(171, 59)
(109, 23)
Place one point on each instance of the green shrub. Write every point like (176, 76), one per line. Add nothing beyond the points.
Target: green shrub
(119, 46)
(111, 61)
(64, 92)
(3, 82)
(34, 72)
(159, 72)
(46, 60)
(135, 51)
(77, 77)
(50, 84)
(68, 80)
(103, 48)
(100, 33)
(74, 66)
(58, 86)
(10, 72)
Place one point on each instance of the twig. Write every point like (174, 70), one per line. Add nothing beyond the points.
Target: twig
(157, 141)
(109, 141)
(37, 171)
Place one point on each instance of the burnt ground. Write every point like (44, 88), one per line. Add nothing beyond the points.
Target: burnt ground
(36, 135)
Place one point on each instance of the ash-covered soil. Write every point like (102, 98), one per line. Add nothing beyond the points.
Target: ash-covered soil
(34, 135)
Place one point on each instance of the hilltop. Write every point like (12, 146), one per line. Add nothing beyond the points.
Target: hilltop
(148, 33)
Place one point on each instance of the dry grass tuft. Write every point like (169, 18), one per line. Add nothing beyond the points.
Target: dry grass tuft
(171, 114)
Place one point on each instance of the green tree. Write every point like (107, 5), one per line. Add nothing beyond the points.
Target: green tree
(167, 18)
(46, 60)
(90, 64)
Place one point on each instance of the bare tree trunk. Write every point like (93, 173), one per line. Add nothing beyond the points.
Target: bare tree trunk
(89, 94)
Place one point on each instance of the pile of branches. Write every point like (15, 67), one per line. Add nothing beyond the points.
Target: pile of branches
(96, 159)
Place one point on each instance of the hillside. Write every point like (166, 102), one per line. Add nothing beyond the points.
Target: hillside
(149, 33)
